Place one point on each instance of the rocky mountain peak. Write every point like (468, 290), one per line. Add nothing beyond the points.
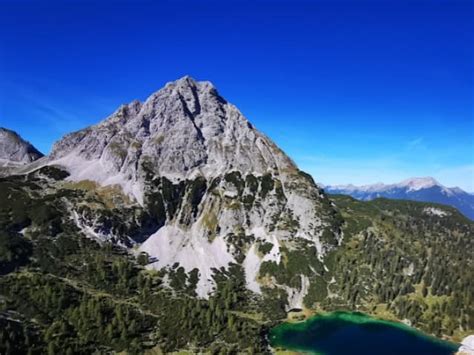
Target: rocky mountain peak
(187, 83)
(15, 150)
(418, 183)
(193, 95)
(214, 186)
(183, 130)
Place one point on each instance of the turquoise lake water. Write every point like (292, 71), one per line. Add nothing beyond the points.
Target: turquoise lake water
(341, 333)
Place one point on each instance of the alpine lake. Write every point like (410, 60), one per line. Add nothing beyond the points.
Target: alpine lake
(354, 333)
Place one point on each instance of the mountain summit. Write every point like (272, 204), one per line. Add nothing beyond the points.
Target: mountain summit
(419, 183)
(425, 189)
(14, 150)
(182, 131)
(209, 179)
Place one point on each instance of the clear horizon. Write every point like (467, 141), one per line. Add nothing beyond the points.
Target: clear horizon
(366, 92)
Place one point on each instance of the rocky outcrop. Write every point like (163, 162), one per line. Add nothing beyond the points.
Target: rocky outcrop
(467, 346)
(183, 131)
(14, 150)
(215, 186)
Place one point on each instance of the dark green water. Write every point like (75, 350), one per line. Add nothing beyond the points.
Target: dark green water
(356, 333)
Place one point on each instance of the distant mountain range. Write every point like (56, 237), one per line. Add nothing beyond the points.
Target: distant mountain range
(424, 189)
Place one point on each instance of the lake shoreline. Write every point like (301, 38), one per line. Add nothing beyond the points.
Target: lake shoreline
(311, 312)
(326, 324)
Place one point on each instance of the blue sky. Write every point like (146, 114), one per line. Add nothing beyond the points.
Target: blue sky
(354, 91)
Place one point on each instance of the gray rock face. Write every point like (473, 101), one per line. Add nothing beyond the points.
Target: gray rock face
(467, 346)
(14, 150)
(185, 129)
(210, 179)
